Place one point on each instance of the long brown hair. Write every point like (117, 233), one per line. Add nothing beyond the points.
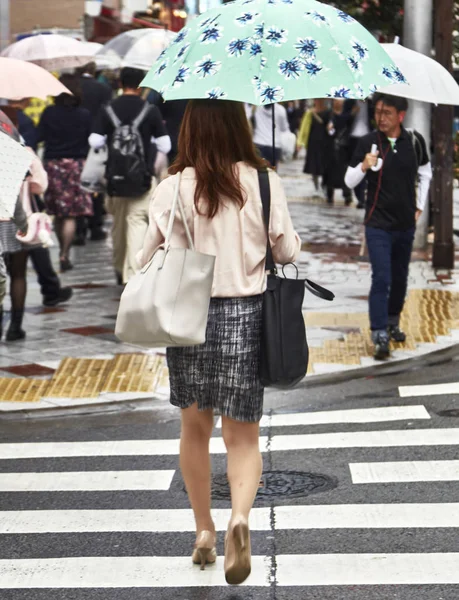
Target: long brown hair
(214, 136)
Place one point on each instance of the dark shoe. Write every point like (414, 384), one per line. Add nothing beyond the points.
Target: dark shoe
(119, 278)
(98, 235)
(360, 205)
(15, 331)
(382, 350)
(66, 265)
(64, 295)
(397, 334)
(347, 201)
(79, 241)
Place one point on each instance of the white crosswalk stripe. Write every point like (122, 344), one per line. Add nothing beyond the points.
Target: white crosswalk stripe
(438, 389)
(385, 433)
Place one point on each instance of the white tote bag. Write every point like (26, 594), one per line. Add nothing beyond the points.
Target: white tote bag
(167, 303)
(93, 174)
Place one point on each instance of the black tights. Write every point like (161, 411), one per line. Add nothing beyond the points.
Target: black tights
(17, 267)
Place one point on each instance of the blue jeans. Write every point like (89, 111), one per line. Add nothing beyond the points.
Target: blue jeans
(267, 153)
(390, 254)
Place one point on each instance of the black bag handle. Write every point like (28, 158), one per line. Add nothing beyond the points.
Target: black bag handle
(265, 192)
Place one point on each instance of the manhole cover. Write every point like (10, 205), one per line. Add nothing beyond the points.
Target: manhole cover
(280, 484)
(451, 412)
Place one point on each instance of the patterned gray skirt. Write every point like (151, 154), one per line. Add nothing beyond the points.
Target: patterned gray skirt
(222, 374)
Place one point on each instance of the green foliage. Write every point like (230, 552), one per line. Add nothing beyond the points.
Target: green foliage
(385, 16)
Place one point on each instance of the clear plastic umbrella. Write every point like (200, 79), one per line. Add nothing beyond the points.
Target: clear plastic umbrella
(427, 79)
(138, 48)
(51, 51)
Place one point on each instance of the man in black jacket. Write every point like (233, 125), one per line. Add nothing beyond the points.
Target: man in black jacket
(392, 210)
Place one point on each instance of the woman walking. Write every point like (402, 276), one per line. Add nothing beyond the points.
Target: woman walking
(221, 197)
(65, 129)
(312, 137)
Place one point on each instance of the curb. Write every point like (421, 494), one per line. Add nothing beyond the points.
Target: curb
(385, 369)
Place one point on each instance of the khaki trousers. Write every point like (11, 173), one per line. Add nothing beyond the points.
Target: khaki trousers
(130, 225)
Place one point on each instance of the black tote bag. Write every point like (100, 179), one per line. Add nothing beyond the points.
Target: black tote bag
(284, 348)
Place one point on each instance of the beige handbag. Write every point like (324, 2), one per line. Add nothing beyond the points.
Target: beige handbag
(167, 302)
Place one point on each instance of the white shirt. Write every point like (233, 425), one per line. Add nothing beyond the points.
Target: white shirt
(263, 134)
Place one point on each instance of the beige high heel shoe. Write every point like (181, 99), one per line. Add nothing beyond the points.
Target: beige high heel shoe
(237, 552)
(204, 549)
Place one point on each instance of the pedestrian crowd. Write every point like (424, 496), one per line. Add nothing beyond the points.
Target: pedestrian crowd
(216, 150)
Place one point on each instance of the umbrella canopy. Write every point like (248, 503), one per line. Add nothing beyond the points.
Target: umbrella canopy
(20, 79)
(51, 51)
(266, 51)
(6, 126)
(428, 80)
(138, 48)
(15, 160)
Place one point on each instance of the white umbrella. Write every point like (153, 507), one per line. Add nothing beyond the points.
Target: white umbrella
(51, 51)
(20, 79)
(138, 48)
(103, 61)
(14, 163)
(428, 80)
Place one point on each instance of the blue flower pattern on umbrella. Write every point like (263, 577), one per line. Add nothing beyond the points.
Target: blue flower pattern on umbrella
(182, 75)
(344, 17)
(255, 49)
(246, 18)
(207, 67)
(216, 94)
(270, 94)
(181, 53)
(317, 18)
(313, 68)
(360, 50)
(340, 92)
(295, 53)
(211, 34)
(291, 69)
(237, 47)
(307, 47)
(276, 36)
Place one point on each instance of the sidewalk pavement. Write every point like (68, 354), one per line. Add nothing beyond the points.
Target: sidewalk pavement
(71, 356)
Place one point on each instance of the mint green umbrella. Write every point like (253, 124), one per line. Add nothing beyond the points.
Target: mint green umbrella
(266, 51)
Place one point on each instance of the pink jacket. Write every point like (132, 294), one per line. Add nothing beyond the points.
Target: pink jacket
(236, 237)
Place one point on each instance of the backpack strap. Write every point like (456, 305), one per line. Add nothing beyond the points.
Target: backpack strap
(112, 116)
(141, 116)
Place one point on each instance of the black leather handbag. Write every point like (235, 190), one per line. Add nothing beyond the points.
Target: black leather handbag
(284, 348)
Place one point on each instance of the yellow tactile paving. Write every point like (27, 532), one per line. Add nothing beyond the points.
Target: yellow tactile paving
(75, 387)
(135, 373)
(83, 367)
(427, 315)
(22, 390)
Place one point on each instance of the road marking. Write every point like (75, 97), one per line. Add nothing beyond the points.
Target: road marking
(90, 521)
(367, 516)
(353, 439)
(87, 481)
(405, 471)
(367, 439)
(361, 415)
(167, 447)
(340, 516)
(429, 390)
(367, 569)
(121, 572)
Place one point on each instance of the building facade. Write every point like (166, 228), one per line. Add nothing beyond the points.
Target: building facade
(26, 15)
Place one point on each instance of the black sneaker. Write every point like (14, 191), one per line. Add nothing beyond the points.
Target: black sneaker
(397, 334)
(65, 294)
(382, 350)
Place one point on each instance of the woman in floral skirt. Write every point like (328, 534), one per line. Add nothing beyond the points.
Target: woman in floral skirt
(64, 128)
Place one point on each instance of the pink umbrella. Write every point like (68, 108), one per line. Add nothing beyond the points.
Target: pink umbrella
(20, 79)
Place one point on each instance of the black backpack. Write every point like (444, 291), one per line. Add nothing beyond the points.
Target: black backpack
(127, 171)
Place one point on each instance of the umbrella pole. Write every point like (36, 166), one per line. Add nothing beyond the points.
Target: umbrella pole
(273, 106)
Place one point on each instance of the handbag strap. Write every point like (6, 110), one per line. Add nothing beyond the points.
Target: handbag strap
(265, 193)
(176, 202)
